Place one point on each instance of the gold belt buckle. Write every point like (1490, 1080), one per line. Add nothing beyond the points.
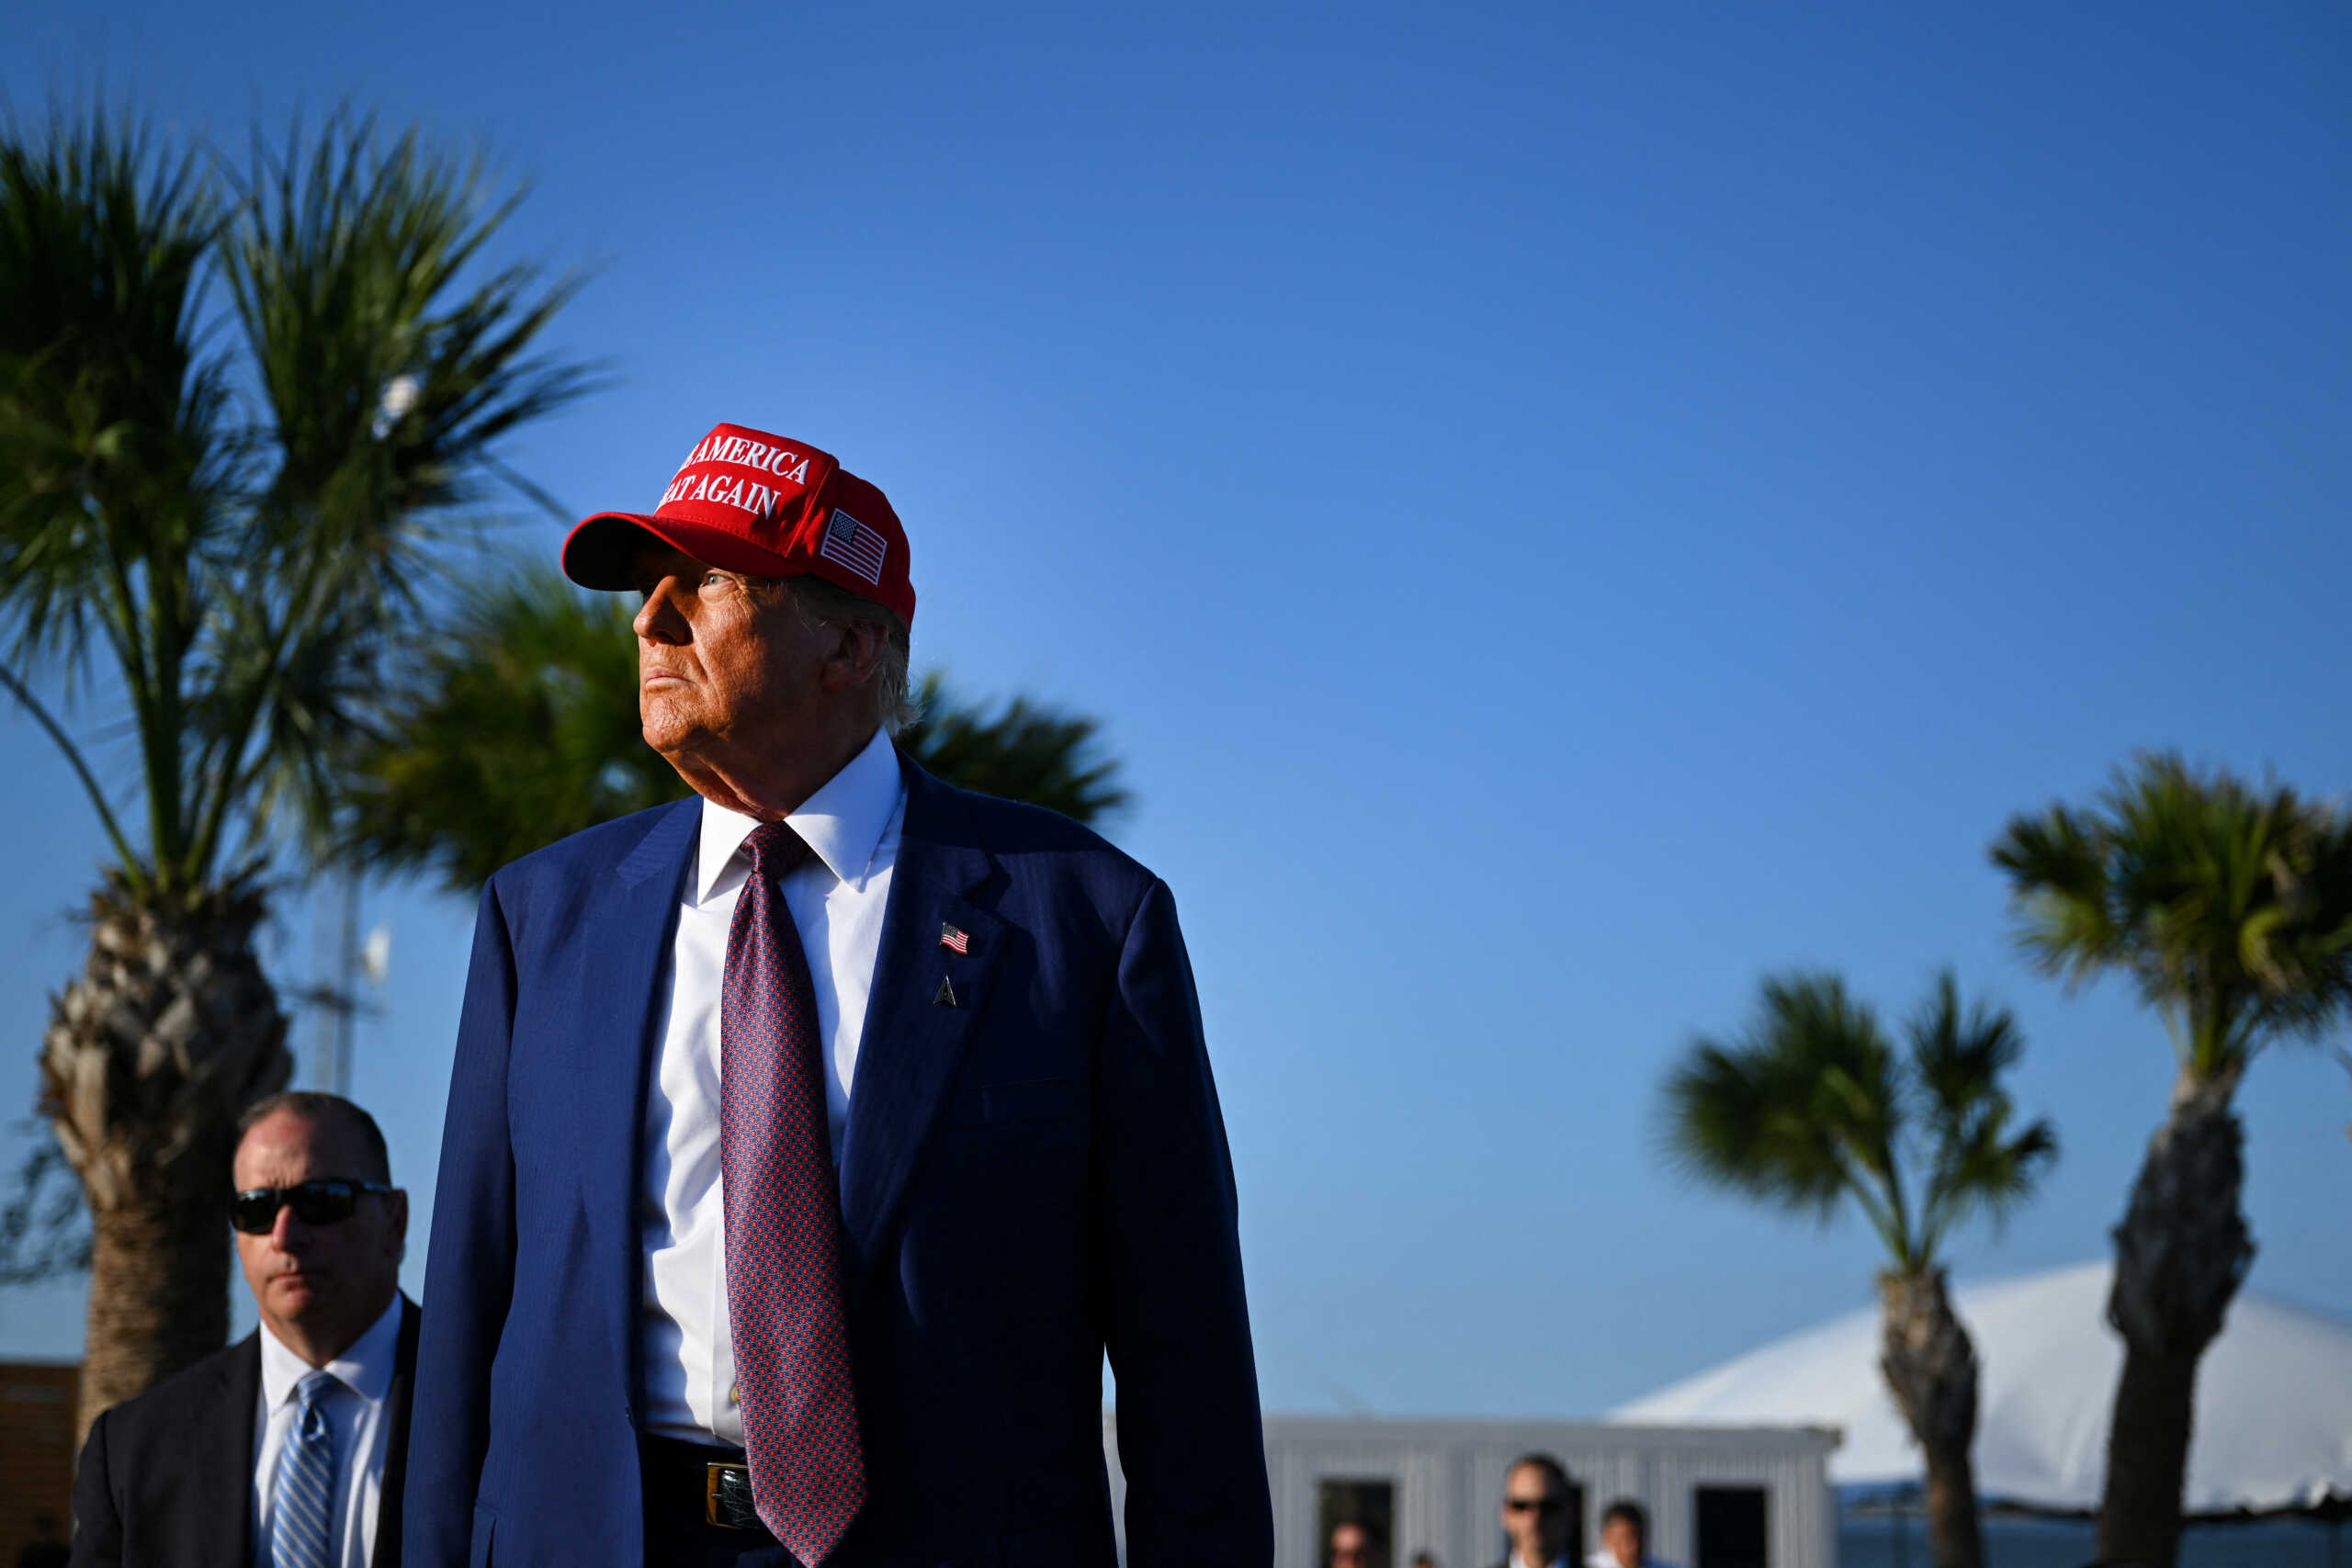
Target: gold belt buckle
(710, 1477)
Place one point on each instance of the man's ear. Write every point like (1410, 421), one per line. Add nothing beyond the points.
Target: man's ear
(397, 1200)
(856, 653)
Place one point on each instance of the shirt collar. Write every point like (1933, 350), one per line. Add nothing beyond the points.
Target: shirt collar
(366, 1367)
(843, 822)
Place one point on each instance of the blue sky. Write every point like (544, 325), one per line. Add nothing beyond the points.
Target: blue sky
(1562, 510)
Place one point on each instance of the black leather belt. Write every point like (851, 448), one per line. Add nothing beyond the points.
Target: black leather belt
(710, 1484)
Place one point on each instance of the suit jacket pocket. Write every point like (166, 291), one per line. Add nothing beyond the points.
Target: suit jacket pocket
(1031, 1099)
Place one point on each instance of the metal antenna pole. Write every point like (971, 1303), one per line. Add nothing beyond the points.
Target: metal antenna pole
(347, 982)
(337, 995)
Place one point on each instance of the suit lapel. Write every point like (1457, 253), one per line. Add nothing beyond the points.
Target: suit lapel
(223, 1465)
(914, 1029)
(397, 1400)
(914, 1036)
(625, 951)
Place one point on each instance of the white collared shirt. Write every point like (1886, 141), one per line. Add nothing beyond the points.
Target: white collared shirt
(356, 1414)
(837, 901)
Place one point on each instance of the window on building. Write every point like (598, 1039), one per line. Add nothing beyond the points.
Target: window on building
(1731, 1532)
(1368, 1504)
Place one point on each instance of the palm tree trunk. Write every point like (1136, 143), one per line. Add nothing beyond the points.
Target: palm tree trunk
(2147, 1459)
(158, 1289)
(1930, 1367)
(169, 1033)
(2180, 1254)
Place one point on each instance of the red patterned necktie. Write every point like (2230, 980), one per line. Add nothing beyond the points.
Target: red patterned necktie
(783, 1292)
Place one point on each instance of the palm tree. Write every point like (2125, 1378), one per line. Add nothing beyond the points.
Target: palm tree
(522, 727)
(1811, 1109)
(519, 727)
(2230, 910)
(240, 585)
(1021, 752)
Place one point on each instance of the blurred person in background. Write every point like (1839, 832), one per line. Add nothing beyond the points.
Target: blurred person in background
(1351, 1546)
(1537, 1495)
(286, 1450)
(1625, 1537)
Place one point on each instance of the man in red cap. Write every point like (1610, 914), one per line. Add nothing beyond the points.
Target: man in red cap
(812, 1140)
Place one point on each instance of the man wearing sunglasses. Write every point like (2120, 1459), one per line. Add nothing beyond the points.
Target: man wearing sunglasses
(287, 1448)
(1539, 1513)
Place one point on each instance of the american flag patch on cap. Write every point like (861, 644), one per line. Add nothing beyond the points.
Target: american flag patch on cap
(850, 543)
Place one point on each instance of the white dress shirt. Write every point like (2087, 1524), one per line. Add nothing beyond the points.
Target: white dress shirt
(354, 1412)
(837, 900)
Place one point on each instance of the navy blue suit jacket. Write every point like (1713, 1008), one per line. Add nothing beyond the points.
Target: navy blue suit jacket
(1033, 1174)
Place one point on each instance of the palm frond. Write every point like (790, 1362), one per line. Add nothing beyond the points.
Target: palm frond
(1975, 1162)
(2229, 907)
(2058, 871)
(1801, 1110)
(113, 460)
(520, 729)
(1810, 1106)
(1960, 1051)
(388, 381)
(1020, 752)
(1989, 1166)
(1733, 1123)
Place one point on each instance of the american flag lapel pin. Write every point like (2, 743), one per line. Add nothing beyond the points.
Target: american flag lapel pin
(954, 941)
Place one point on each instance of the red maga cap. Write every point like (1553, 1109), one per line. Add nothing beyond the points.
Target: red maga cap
(766, 507)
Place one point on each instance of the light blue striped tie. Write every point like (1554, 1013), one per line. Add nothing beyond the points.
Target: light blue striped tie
(298, 1526)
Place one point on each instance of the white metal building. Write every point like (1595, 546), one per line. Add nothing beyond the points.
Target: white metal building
(1717, 1496)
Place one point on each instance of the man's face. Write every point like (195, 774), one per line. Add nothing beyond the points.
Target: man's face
(721, 665)
(1351, 1547)
(323, 1284)
(1623, 1540)
(1535, 1515)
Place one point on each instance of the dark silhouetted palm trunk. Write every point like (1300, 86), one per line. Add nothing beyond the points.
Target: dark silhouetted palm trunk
(170, 1032)
(1930, 1367)
(2180, 1254)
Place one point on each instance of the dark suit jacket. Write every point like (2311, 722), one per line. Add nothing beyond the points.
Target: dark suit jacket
(1035, 1171)
(166, 1480)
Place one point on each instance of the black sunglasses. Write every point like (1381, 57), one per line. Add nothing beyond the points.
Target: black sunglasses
(314, 1202)
(1525, 1504)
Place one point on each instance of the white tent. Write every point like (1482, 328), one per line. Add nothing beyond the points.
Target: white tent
(2274, 1397)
